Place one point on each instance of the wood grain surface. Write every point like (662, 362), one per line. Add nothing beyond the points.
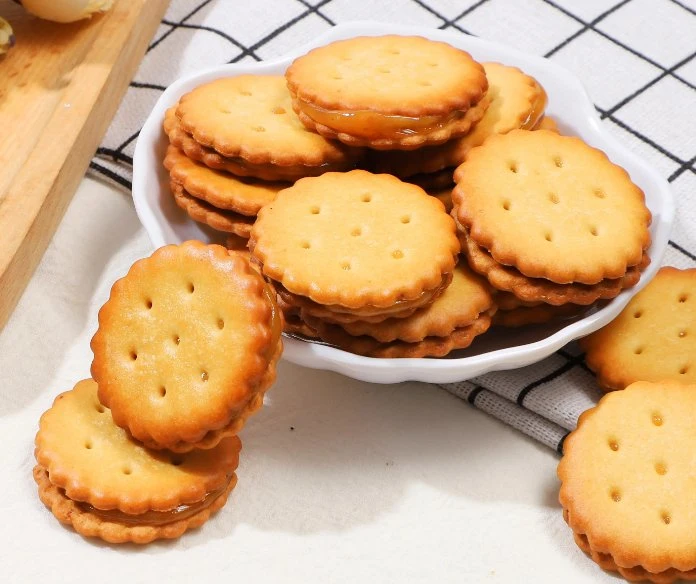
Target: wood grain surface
(59, 88)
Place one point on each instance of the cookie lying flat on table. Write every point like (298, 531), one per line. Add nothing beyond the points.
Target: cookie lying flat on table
(250, 118)
(434, 91)
(93, 476)
(653, 338)
(187, 345)
(627, 482)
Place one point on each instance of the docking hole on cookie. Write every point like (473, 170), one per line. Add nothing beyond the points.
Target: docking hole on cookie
(613, 444)
(615, 494)
(661, 468)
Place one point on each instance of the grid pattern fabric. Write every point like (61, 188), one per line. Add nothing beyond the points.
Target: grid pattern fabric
(635, 57)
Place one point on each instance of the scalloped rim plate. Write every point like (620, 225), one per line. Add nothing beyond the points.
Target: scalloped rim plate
(497, 350)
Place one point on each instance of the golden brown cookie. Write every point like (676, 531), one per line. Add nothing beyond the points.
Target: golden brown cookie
(335, 313)
(93, 476)
(533, 290)
(459, 306)
(250, 117)
(516, 101)
(356, 240)
(239, 166)
(460, 338)
(552, 207)
(653, 338)
(220, 189)
(186, 346)
(388, 92)
(627, 481)
(198, 210)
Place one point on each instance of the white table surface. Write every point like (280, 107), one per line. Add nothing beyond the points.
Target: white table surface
(376, 483)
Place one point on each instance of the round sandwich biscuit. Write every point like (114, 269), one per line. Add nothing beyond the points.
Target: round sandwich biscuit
(93, 476)
(250, 117)
(627, 482)
(186, 346)
(202, 212)
(459, 338)
(533, 290)
(388, 92)
(220, 189)
(552, 207)
(458, 306)
(356, 240)
(240, 166)
(653, 338)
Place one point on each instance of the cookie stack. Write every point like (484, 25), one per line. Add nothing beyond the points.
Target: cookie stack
(234, 143)
(627, 482)
(364, 259)
(186, 347)
(549, 221)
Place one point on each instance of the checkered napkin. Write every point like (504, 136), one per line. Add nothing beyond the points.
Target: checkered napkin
(636, 58)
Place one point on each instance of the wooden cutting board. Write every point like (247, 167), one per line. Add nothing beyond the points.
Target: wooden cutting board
(60, 87)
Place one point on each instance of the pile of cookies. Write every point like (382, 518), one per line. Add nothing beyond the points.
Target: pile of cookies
(626, 470)
(551, 222)
(368, 263)
(234, 143)
(374, 130)
(186, 347)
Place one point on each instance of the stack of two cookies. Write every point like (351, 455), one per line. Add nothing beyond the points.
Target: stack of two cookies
(234, 143)
(186, 347)
(551, 222)
(367, 263)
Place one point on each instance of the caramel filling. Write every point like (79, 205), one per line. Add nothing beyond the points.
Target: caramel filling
(363, 122)
(537, 111)
(276, 321)
(156, 518)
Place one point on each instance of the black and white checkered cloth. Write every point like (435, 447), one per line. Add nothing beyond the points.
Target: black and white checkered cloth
(636, 58)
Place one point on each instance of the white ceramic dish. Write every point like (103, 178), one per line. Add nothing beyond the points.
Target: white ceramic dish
(504, 349)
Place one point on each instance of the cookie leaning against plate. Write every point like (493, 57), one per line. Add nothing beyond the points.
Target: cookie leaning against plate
(187, 345)
(653, 338)
(250, 118)
(388, 92)
(93, 476)
(356, 240)
(627, 482)
(552, 207)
